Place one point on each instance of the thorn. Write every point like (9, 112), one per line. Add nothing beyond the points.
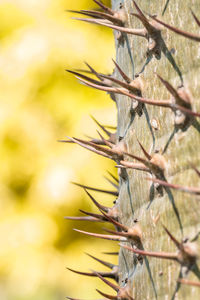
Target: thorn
(101, 207)
(195, 17)
(99, 3)
(111, 253)
(124, 76)
(176, 242)
(103, 274)
(105, 263)
(196, 170)
(97, 216)
(186, 34)
(162, 103)
(106, 295)
(102, 127)
(191, 190)
(111, 182)
(110, 284)
(189, 282)
(114, 193)
(151, 29)
(86, 77)
(131, 165)
(102, 236)
(149, 157)
(164, 255)
(91, 219)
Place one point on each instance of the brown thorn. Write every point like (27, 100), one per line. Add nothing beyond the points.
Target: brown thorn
(106, 295)
(189, 282)
(82, 219)
(164, 255)
(186, 34)
(112, 183)
(103, 274)
(195, 17)
(110, 284)
(186, 110)
(93, 71)
(162, 103)
(169, 87)
(143, 19)
(102, 16)
(105, 263)
(101, 126)
(101, 236)
(100, 217)
(111, 253)
(104, 7)
(101, 207)
(124, 76)
(90, 148)
(114, 193)
(85, 77)
(95, 146)
(116, 223)
(132, 165)
(176, 242)
(186, 189)
(99, 87)
(149, 157)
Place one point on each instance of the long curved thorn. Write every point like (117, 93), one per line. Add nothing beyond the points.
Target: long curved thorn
(91, 219)
(103, 262)
(143, 19)
(110, 284)
(101, 126)
(186, 34)
(148, 156)
(85, 77)
(191, 190)
(114, 193)
(106, 295)
(104, 7)
(164, 255)
(195, 17)
(100, 206)
(189, 282)
(176, 242)
(90, 148)
(186, 110)
(124, 76)
(162, 103)
(102, 236)
(169, 87)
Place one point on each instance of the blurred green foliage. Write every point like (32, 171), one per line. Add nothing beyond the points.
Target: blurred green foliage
(40, 104)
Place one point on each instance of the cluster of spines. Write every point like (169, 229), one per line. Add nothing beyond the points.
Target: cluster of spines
(180, 103)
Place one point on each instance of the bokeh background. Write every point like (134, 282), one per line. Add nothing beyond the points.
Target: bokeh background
(40, 104)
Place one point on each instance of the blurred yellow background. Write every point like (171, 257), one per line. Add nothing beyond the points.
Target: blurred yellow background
(40, 104)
